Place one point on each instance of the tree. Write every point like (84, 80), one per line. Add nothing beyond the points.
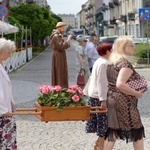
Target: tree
(36, 17)
(14, 22)
(56, 17)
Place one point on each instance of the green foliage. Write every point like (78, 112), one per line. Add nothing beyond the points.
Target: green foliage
(36, 17)
(38, 49)
(141, 50)
(16, 23)
(58, 19)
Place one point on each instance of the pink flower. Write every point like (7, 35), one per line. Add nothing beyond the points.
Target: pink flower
(51, 88)
(40, 88)
(81, 92)
(75, 98)
(58, 88)
(45, 90)
(71, 91)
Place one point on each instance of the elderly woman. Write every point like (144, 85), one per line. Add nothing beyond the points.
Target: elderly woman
(82, 59)
(123, 116)
(7, 106)
(98, 94)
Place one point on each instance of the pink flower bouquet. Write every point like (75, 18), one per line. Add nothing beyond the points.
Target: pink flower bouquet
(55, 96)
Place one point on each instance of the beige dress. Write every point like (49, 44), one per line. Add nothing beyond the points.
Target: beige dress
(123, 115)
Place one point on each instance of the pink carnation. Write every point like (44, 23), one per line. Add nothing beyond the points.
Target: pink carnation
(75, 98)
(71, 91)
(45, 90)
(51, 88)
(75, 86)
(58, 88)
(81, 92)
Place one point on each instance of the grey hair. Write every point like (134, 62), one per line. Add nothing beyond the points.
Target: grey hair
(7, 45)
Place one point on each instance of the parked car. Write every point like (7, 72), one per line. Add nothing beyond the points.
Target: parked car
(79, 36)
(108, 39)
(86, 37)
(145, 40)
(112, 39)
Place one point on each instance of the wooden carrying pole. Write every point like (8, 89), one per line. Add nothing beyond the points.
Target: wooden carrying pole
(33, 111)
(26, 111)
(98, 110)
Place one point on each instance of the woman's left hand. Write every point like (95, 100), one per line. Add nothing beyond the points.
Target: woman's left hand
(7, 114)
(103, 104)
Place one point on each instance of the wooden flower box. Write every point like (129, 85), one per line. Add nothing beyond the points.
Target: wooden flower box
(47, 113)
(67, 114)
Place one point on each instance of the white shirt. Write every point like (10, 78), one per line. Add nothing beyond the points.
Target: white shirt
(5, 92)
(98, 83)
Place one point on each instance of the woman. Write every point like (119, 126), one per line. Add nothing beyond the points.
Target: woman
(98, 94)
(82, 59)
(123, 116)
(7, 105)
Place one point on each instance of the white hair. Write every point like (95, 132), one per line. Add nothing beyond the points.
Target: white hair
(7, 45)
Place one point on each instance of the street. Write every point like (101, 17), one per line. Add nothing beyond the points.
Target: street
(36, 135)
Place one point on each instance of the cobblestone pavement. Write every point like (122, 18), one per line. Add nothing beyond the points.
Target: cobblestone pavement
(36, 135)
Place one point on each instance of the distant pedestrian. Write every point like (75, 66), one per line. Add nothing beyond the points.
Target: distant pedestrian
(7, 105)
(59, 60)
(82, 59)
(91, 49)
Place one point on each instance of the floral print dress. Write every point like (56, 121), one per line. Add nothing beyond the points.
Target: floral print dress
(8, 133)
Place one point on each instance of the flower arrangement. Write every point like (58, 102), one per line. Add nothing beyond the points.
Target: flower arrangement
(56, 96)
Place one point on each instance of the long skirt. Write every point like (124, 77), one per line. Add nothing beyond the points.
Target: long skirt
(98, 123)
(8, 133)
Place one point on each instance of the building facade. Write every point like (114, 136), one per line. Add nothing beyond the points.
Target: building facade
(115, 17)
(69, 19)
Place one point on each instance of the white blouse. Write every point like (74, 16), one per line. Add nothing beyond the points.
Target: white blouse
(98, 83)
(6, 97)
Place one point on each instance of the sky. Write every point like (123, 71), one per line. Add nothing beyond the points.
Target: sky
(66, 6)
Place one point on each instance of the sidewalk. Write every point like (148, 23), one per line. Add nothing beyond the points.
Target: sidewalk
(36, 135)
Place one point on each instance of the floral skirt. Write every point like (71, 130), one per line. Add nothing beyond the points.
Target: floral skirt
(8, 133)
(98, 123)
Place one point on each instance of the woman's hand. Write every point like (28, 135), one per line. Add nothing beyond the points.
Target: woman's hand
(69, 37)
(7, 114)
(139, 93)
(103, 104)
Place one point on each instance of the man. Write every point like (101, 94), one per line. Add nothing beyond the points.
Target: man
(59, 60)
(92, 53)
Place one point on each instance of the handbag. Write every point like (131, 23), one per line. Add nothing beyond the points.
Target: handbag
(138, 84)
(81, 78)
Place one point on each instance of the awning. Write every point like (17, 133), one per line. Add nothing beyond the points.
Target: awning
(6, 28)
